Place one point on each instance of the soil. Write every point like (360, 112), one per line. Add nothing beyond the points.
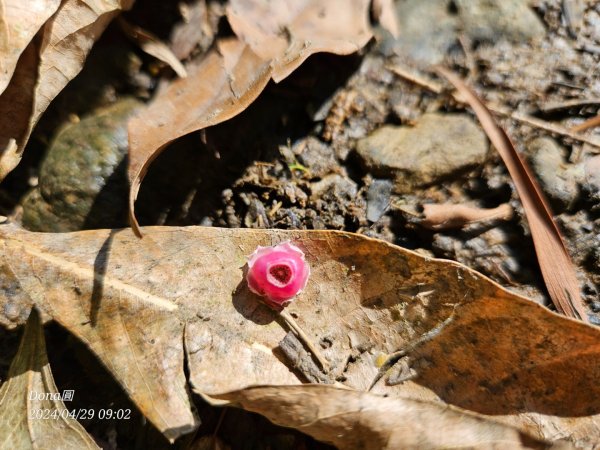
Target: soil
(290, 161)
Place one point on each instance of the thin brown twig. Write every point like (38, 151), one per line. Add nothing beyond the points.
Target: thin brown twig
(437, 88)
(590, 123)
(302, 335)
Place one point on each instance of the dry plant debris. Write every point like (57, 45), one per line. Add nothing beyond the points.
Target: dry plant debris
(46, 65)
(32, 414)
(273, 40)
(554, 260)
(380, 314)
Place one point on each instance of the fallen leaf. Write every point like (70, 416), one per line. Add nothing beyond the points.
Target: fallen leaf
(153, 46)
(50, 62)
(18, 25)
(32, 415)
(289, 31)
(358, 420)
(448, 216)
(381, 315)
(274, 39)
(554, 260)
(223, 84)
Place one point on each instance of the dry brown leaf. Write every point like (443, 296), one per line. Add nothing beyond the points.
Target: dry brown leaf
(353, 420)
(138, 305)
(153, 46)
(49, 63)
(30, 416)
(19, 23)
(219, 87)
(447, 216)
(554, 260)
(289, 31)
(275, 38)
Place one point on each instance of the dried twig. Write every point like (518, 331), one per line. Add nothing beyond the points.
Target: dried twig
(302, 335)
(590, 123)
(554, 260)
(433, 86)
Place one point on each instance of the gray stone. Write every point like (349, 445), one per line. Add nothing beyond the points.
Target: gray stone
(83, 177)
(437, 147)
(378, 199)
(429, 28)
(558, 179)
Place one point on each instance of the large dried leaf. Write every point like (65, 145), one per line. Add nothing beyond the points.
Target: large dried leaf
(275, 38)
(554, 260)
(29, 391)
(138, 305)
(19, 23)
(289, 31)
(49, 63)
(358, 420)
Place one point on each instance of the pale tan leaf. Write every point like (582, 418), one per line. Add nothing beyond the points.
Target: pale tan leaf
(49, 63)
(447, 216)
(381, 315)
(153, 46)
(32, 415)
(554, 260)
(357, 420)
(289, 31)
(19, 23)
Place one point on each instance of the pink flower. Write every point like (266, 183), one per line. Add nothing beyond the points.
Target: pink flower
(277, 273)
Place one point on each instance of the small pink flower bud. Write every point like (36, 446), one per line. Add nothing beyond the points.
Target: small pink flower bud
(277, 273)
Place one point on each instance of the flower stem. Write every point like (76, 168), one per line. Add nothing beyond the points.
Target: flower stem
(302, 335)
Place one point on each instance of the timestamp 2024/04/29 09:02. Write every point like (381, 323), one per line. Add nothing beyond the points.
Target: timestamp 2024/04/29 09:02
(76, 413)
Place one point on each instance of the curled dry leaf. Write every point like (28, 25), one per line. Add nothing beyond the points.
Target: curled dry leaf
(358, 420)
(554, 260)
(444, 217)
(274, 39)
(49, 63)
(19, 23)
(25, 393)
(379, 314)
(289, 31)
(153, 46)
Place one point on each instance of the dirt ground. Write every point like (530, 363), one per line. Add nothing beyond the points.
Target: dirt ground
(292, 161)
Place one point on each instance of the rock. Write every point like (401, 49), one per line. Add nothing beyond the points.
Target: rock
(83, 177)
(437, 147)
(558, 179)
(478, 20)
(378, 199)
(491, 20)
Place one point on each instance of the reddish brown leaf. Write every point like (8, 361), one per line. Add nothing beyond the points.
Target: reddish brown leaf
(554, 260)
(217, 88)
